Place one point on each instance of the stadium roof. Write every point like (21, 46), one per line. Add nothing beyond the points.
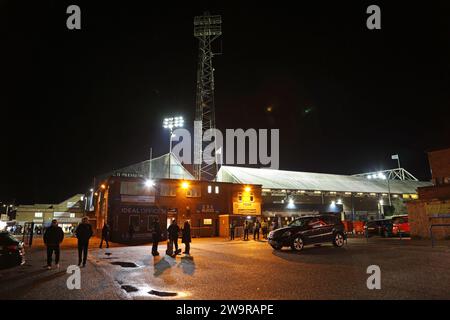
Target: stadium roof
(159, 167)
(294, 180)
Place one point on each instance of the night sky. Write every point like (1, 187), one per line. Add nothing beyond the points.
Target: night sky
(76, 104)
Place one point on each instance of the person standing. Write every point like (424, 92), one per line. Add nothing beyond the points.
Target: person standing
(53, 237)
(186, 237)
(105, 235)
(83, 234)
(232, 227)
(264, 229)
(256, 230)
(173, 232)
(246, 228)
(156, 237)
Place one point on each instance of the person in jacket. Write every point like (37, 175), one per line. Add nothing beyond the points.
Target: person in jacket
(264, 229)
(53, 237)
(173, 231)
(246, 229)
(83, 234)
(105, 235)
(256, 230)
(156, 237)
(186, 237)
(232, 229)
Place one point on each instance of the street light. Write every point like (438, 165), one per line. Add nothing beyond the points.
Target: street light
(171, 123)
(149, 183)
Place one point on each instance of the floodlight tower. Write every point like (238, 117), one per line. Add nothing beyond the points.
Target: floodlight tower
(207, 28)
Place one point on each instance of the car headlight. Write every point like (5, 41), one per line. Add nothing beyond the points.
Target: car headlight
(271, 234)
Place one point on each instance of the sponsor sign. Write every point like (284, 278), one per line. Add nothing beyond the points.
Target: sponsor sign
(247, 208)
(138, 199)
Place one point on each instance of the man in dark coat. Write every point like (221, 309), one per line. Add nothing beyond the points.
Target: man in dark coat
(105, 235)
(156, 237)
(186, 237)
(256, 230)
(246, 228)
(173, 231)
(53, 237)
(232, 228)
(83, 234)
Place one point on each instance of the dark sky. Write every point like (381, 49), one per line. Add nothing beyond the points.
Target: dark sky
(76, 104)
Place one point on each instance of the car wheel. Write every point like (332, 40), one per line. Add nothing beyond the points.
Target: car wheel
(276, 247)
(297, 244)
(338, 240)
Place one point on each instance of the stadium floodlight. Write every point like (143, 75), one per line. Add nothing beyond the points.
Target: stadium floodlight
(171, 123)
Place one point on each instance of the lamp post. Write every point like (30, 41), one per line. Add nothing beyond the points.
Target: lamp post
(171, 123)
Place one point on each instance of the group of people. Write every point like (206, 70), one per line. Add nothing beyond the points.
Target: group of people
(54, 236)
(256, 228)
(173, 232)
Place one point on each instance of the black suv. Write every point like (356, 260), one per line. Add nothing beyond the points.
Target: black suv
(379, 228)
(11, 250)
(309, 230)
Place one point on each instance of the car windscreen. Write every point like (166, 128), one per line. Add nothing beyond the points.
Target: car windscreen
(298, 223)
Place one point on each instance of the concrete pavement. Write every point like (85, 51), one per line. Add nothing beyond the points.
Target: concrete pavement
(223, 269)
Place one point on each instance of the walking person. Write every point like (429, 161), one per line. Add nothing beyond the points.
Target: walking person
(53, 237)
(105, 235)
(232, 227)
(246, 229)
(256, 230)
(173, 232)
(186, 237)
(83, 234)
(156, 237)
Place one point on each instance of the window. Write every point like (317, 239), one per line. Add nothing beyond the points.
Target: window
(207, 222)
(72, 215)
(133, 188)
(209, 189)
(216, 189)
(38, 214)
(194, 192)
(168, 190)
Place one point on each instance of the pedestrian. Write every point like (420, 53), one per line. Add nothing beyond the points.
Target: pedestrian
(173, 231)
(53, 237)
(156, 237)
(232, 227)
(264, 229)
(130, 231)
(105, 235)
(256, 230)
(246, 228)
(186, 237)
(83, 234)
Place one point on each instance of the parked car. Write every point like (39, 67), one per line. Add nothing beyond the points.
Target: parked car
(309, 230)
(400, 225)
(12, 252)
(381, 227)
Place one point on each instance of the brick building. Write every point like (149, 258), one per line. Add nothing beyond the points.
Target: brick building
(209, 206)
(433, 206)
